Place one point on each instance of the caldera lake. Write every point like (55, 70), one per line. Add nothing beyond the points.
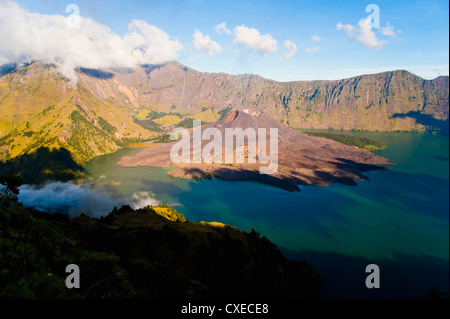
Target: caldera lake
(398, 219)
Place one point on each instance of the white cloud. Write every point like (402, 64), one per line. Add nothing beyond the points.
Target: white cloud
(3, 60)
(149, 44)
(205, 44)
(347, 27)
(291, 50)
(222, 28)
(389, 30)
(251, 38)
(362, 34)
(366, 35)
(312, 51)
(315, 38)
(50, 39)
(75, 199)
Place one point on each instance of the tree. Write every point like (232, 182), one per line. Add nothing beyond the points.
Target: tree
(9, 190)
(434, 293)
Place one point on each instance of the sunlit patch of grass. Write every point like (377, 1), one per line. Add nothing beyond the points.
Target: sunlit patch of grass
(168, 120)
(214, 224)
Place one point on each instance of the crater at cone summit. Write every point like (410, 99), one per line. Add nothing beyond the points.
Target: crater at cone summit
(302, 159)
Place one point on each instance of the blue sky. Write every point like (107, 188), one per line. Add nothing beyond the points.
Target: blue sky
(413, 35)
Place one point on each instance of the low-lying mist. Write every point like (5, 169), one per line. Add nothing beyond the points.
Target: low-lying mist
(74, 199)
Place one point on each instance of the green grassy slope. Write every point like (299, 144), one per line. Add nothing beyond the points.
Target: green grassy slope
(38, 108)
(368, 144)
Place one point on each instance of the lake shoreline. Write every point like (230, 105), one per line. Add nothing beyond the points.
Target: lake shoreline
(396, 214)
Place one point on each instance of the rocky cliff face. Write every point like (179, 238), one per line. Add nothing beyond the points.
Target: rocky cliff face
(388, 101)
(40, 108)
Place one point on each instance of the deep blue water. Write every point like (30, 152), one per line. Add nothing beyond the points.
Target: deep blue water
(398, 219)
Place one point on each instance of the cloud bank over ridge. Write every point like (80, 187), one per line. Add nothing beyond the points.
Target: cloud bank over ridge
(75, 199)
(55, 39)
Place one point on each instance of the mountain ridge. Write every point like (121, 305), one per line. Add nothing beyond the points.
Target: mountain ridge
(369, 102)
(110, 108)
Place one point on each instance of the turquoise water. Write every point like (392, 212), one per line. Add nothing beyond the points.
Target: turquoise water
(398, 219)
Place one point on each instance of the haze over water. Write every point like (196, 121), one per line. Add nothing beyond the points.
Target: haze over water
(398, 220)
